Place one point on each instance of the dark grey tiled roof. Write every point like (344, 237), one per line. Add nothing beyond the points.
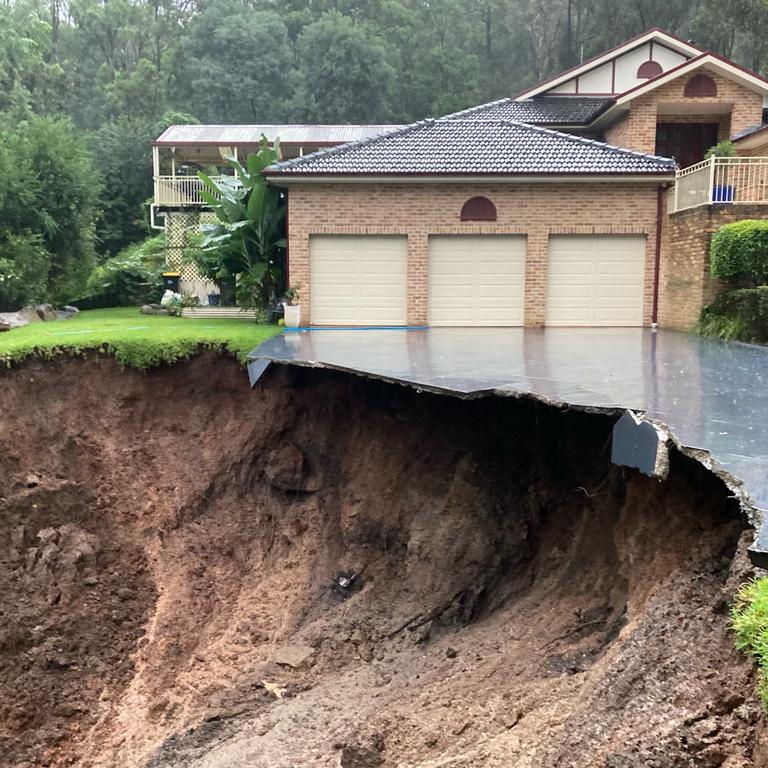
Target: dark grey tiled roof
(473, 147)
(540, 110)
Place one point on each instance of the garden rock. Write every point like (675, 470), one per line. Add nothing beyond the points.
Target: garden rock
(4, 327)
(46, 312)
(30, 314)
(13, 319)
(153, 309)
(65, 313)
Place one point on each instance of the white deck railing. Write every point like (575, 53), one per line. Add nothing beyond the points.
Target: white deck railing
(728, 180)
(180, 190)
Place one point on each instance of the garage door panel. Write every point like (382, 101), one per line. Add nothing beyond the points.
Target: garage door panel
(357, 280)
(476, 280)
(596, 280)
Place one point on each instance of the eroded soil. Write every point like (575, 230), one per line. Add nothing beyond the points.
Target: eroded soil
(169, 544)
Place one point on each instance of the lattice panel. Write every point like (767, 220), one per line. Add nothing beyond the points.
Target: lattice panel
(177, 228)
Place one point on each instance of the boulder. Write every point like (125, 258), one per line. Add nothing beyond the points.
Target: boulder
(46, 312)
(4, 326)
(66, 312)
(13, 319)
(29, 314)
(153, 309)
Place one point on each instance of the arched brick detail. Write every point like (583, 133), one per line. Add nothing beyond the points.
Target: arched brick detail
(700, 86)
(478, 209)
(649, 69)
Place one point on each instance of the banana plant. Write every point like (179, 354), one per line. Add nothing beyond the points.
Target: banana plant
(247, 242)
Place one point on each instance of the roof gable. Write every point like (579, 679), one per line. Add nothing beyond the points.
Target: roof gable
(459, 147)
(616, 70)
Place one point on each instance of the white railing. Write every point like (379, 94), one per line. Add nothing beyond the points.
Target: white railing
(180, 190)
(729, 180)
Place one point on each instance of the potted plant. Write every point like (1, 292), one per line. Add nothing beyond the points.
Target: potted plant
(722, 193)
(291, 307)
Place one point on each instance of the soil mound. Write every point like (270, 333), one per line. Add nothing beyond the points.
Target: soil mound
(329, 571)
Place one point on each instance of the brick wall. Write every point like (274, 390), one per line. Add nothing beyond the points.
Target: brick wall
(637, 130)
(685, 284)
(419, 210)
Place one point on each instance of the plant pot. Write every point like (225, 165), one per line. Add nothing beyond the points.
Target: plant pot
(292, 315)
(722, 194)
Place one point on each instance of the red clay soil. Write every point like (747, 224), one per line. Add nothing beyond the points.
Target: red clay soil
(173, 552)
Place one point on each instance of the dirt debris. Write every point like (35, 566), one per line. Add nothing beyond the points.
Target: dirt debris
(171, 540)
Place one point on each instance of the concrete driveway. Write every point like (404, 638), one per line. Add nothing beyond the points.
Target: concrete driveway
(712, 395)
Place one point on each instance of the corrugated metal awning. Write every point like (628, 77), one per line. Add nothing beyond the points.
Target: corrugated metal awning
(230, 135)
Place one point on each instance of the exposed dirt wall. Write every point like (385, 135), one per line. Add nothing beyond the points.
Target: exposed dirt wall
(169, 541)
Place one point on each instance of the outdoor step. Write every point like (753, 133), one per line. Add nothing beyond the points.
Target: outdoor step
(224, 313)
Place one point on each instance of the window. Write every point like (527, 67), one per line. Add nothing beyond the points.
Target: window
(700, 86)
(649, 69)
(478, 209)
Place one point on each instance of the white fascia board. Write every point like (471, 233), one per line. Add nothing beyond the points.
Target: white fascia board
(414, 179)
(655, 35)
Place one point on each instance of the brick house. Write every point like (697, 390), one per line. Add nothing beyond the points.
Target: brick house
(585, 200)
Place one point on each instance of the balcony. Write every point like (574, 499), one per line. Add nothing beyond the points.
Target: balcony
(180, 191)
(721, 180)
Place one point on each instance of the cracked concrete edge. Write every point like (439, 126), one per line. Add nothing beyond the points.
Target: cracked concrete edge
(756, 517)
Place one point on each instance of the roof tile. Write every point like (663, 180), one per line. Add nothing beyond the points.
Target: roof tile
(474, 147)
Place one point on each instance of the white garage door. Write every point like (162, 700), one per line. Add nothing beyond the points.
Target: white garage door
(357, 280)
(595, 280)
(476, 280)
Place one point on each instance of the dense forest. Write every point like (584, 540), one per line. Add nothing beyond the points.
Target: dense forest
(86, 85)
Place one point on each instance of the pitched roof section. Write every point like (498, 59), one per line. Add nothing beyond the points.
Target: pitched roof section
(540, 110)
(228, 135)
(461, 147)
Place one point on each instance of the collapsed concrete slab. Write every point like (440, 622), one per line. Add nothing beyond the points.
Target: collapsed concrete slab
(708, 396)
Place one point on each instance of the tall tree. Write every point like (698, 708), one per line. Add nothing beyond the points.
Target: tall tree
(238, 65)
(344, 74)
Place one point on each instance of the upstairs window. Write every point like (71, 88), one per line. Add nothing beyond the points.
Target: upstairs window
(649, 69)
(478, 209)
(700, 86)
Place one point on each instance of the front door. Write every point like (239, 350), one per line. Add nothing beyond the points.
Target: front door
(686, 142)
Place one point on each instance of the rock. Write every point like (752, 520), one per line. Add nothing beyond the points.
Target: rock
(287, 469)
(153, 309)
(70, 310)
(29, 314)
(13, 319)
(46, 312)
(64, 314)
(293, 655)
(4, 327)
(450, 653)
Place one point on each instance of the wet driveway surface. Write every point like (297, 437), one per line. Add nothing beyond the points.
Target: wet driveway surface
(712, 395)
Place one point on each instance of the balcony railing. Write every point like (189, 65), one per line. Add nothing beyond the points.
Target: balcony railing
(727, 180)
(180, 190)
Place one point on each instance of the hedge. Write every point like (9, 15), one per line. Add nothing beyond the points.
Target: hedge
(739, 251)
(741, 315)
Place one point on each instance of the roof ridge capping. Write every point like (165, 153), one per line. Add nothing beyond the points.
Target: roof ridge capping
(571, 137)
(325, 151)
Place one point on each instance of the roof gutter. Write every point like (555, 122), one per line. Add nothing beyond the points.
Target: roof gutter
(330, 178)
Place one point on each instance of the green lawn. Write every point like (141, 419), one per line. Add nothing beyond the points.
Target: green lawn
(136, 340)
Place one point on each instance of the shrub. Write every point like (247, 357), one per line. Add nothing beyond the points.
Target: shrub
(749, 619)
(724, 148)
(739, 251)
(134, 276)
(741, 315)
(24, 267)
